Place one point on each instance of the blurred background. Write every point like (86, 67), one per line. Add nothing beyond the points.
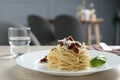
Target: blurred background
(17, 12)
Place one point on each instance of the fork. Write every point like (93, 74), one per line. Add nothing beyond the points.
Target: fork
(9, 56)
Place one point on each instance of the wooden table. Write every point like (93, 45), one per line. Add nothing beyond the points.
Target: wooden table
(9, 70)
(96, 29)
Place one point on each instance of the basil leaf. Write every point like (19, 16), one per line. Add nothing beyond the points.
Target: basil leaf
(98, 61)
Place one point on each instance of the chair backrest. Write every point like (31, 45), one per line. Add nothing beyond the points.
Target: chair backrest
(66, 25)
(41, 29)
(4, 33)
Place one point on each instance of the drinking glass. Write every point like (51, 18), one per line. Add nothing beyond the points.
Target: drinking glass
(19, 40)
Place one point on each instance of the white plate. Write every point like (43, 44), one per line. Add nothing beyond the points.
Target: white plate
(30, 61)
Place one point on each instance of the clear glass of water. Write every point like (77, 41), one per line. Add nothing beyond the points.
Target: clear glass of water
(19, 40)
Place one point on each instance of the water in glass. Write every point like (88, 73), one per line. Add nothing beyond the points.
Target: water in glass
(19, 40)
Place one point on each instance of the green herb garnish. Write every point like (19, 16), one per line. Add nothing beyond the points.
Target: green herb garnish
(98, 61)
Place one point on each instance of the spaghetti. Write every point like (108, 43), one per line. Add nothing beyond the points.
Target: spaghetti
(68, 55)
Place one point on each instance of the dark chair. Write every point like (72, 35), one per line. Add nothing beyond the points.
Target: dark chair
(4, 33)
(66, 25)
(42, 29)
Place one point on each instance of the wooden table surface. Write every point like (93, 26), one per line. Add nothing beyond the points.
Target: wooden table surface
(9, 70)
